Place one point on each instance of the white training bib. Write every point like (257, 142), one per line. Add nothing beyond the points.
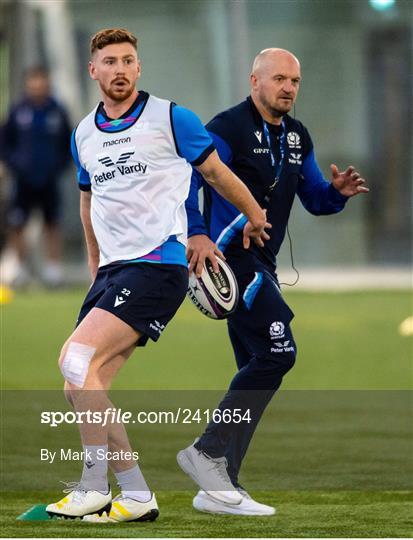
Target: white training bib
(139, 183)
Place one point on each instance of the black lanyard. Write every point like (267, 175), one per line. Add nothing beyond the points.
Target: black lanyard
(277, 167)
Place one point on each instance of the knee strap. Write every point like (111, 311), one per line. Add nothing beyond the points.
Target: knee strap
(76, 362)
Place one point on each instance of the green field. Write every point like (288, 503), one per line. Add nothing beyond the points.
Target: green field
(345, 341)
(333, 453)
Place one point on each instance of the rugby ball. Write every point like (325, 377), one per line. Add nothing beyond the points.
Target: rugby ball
(214, 294)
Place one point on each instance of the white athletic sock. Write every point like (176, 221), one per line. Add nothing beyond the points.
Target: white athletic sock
(95, 469)
(133, 484)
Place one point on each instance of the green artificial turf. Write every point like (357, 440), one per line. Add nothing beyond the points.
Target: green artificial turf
(299, 514)
(333, 452)
(345, 341)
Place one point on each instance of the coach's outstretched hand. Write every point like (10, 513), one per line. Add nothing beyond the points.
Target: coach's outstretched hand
(201, 247)
(256, 233)
(349, 182)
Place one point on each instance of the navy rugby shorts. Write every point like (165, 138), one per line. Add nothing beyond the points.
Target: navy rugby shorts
(144, 295)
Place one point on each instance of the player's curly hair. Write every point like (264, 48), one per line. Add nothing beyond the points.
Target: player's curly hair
(108, 36)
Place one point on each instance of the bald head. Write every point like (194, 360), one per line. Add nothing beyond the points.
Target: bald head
(267, 58)
(275, 80)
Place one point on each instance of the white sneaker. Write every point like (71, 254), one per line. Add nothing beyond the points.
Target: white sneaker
(125, 509)
(248, 507)
(79, 503)
(210, 474)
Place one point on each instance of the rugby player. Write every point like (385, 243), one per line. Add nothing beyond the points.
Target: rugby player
(133, 154)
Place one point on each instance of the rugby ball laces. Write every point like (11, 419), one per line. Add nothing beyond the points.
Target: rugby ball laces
(215, 294)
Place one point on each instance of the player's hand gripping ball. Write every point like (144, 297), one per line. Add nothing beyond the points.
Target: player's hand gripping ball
(214, 294)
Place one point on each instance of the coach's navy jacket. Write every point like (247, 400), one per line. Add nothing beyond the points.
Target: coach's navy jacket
(241, 141)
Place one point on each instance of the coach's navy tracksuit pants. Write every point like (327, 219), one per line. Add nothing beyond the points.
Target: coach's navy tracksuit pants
(265, 351)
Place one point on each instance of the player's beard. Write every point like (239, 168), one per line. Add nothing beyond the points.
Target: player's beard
(118, 94)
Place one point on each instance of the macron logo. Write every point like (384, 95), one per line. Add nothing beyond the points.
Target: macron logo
(258, 134)
(116, 141)
(119, 300)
